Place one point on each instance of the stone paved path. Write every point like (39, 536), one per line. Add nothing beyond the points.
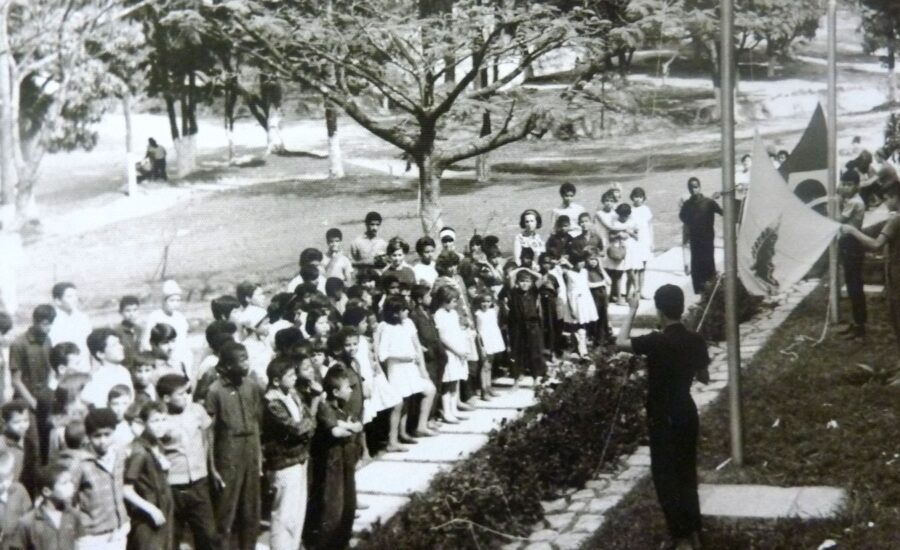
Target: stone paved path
(572, 519)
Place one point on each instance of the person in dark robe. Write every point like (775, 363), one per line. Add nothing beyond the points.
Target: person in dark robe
(698, 214)
(525, 331)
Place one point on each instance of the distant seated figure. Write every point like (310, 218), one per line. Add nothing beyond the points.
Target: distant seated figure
(153, 165)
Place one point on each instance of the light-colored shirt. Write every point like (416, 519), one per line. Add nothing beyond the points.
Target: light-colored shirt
(96, 392)
(572, 211)
(338, 266)
(185, 445)
(426, 274)
(71, 327)
(364, 250)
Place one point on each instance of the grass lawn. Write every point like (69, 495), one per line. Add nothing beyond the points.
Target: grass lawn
(820, 384)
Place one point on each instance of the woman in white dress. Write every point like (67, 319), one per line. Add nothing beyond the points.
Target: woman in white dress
(530, 222)
(456, 343)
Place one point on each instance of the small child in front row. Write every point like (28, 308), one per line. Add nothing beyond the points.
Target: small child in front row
(34, 531)
(287, 430)
(332, 503)
(526, 338)
(488, 326)
(147, 489)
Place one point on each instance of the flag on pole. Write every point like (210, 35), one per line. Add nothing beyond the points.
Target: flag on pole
(780, 237)
(806, 169)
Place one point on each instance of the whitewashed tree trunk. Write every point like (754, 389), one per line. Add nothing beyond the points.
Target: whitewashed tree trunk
(482, 168)
(430, 196)
(186, 155)
(335, 159)
(229, 136)
(130, 156)
(274, 140)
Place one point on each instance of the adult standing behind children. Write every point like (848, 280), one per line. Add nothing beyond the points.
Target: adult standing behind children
(29, 355)
(106, 348)
(70, 323)
(170, 314)
(675, 356)
(368, 247)
(568, 208)
(698, 214)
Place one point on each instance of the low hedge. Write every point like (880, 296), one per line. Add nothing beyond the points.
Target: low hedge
(556, 445)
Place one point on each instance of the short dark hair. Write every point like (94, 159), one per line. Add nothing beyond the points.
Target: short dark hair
(96, 340)
(445, 261)
(310, 255)
(228, 353)
(445, 295)
(334, 233)
(353, 316)
(244, 292)
(335, 376)
(390, 312)
(223, 306)
(162, 333)
(117, 391)
(278, 367)
(333, 285)
(387, 281)
(623, 209)
(850, 176)
(170, 383)
(584, 215)
(373, 217)
(562, 220)
(669, 300)
(278, 307)
(567, 187)
(638, 192)
(609, 194)
(47, 476)
(74, 433)
(99, 419)
(43, 312)
(423, 242)
(60, 353)
(309, 273)
(60, 288)
(287, 338)
(418, 292)
(528, 252)
(16, 406)
(128, 300)
(151, 407)
(533, 212)
(218, 332)
(397, 243)
(692, 182)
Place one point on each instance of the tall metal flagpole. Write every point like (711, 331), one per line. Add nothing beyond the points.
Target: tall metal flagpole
(732, 335)
(833, 289)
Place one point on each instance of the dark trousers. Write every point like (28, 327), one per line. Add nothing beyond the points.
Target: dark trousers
(194, 510)
(600, 330)
(673, 465)
(615, 276)
(332, 503)
(238, 507)
(853, 277)
(158, 169)
(703, 264)
(146, 536)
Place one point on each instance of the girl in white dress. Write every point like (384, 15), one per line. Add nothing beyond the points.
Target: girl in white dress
(488, 326)
(530, 222)
(456, 344)
(643, 217)
(582, 308)
(629, 232)
(406, 373)
(608, 228)
(377, 391)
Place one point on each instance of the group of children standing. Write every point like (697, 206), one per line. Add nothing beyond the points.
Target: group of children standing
(121, 438)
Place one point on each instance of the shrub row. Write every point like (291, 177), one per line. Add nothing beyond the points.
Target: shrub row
(555, 445)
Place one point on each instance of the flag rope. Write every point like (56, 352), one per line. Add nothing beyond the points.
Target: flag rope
(709, 302)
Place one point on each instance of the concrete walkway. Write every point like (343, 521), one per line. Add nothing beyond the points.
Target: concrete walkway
(765, 501)
(570, 520)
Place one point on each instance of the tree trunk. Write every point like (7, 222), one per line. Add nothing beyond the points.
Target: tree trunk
(335, 160)
(230, 104)
(173, 118)
(430, 195)
(185, 155)
(891, 66)
(274, 141)
(130, 156)
(7, 162)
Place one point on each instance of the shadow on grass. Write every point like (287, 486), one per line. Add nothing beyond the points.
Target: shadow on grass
(821, 384)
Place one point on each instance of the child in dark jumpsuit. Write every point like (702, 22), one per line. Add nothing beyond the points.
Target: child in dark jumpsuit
(335, 450)
(236, 405)
(526, 341)
(675, 355)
